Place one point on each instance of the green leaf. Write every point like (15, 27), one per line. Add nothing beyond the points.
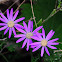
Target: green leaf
(59, 5)
(39, 23)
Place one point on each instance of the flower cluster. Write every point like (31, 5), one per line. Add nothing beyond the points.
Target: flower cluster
(28, 33)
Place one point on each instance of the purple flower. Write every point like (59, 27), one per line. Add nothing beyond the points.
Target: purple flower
(10, 22)
(44, 42)
(27, 34)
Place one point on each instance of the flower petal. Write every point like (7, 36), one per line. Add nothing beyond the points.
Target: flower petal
(2, 24)
(50, 41)
(39, 36)
(6, 30)
(27, 44)
(43, 32)
(37, 29)
(3, 20)
(11, 13)
(20, 26)
(35, 43)
(24, 43)
(25, 26)
(20, 29)
(10, 32)
(47, 51)
(18, 20)
(8, 14)
(42, 51)
(21, 39)
(49, 36)
(49, 33)
(3, 28)
(52, 47)
(15, 15)
(33, 46)
(53, 43)
(29, 25)
(14, 31)
(20, 35)
(35, 38)
(3, 16)
(36, 48)
(31, 41)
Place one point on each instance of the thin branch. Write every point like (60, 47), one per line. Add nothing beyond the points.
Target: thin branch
(57, 10)
(19, 6)
(57, 51)
(4, 57)
(3, 39)
(33, 12)
(56, 4)
(2, 49)
(59, 48)
(11, 6)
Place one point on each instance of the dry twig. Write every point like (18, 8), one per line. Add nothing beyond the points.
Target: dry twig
(33, 13)
(57, 51)
(19, 6)
(56, 4)
(3, 39)
(11, 6)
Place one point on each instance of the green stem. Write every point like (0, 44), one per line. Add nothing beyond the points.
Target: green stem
(52, 14)
(4, 57)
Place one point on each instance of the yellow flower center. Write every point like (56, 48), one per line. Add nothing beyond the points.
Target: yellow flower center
(44, 42)
(28, 35)
(10, 24)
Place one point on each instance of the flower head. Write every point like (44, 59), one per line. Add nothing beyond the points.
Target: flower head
(10, 22)
(27, 34)
(44, 42)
